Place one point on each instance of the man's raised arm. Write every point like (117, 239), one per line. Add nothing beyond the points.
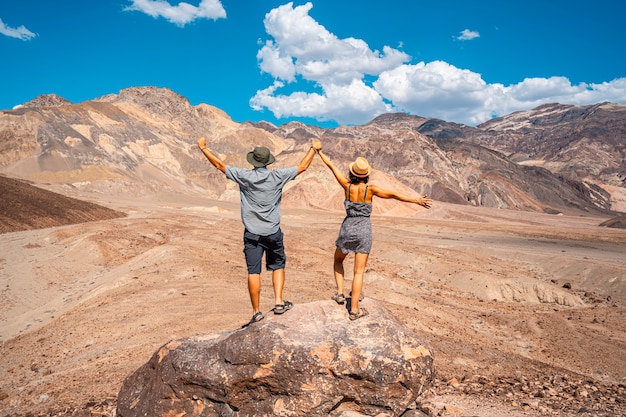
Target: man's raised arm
(306, 161)
(212, 158)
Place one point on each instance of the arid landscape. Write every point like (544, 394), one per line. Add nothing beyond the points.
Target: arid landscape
(525, 312)
(123, 237)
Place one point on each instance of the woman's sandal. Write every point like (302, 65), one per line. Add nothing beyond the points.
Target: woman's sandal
(362, 313)
(281, 308)
(339, 298)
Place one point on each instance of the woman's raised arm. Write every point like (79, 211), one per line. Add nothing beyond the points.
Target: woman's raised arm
(341, 179)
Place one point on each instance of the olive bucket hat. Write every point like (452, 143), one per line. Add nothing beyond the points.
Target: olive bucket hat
(260, 157)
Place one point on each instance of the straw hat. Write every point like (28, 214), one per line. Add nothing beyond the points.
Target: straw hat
(360, 168)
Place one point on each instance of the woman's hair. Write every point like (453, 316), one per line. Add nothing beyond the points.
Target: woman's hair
(355, 180)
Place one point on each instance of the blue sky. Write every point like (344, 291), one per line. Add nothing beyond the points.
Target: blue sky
(325, 62)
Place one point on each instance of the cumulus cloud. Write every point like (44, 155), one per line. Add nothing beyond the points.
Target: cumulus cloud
(303, 50)
(20, 33)
(320, 76)
(468, 35)
(180, 14)
(352, 103)
(438, 89)
(441, 90)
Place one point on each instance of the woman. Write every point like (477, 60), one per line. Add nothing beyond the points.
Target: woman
(355, 234)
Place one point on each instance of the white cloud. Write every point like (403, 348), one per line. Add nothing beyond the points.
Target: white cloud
(19, 33)
(441, 90)
(438, 89)
(303, 49)
(273, 62)
(468, 35)
(180, 14)
(328, 78)
(533, 89)
(352, 103)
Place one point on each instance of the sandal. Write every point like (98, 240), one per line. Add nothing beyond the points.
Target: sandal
(339, 298)
(258, 316)
(281, 308)
(362, 313)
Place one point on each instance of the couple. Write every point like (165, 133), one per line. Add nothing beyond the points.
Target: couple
(261, 193)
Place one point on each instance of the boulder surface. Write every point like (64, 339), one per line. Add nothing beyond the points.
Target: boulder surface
(310, 361)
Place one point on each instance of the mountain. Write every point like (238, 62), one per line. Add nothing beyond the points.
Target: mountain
(578, 142)
(582, 144)
(143, 141)
(448, 164)
(139, 141)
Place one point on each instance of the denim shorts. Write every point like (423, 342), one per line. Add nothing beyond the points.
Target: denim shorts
(254, 246)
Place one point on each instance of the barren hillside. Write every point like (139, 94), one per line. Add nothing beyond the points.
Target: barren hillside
(26, 207)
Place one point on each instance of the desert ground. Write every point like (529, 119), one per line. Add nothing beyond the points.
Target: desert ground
(525, 312)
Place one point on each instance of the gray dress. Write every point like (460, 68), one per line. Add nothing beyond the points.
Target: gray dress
(355, 234)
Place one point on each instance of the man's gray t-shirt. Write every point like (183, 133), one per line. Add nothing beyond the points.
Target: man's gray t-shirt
(261, 192)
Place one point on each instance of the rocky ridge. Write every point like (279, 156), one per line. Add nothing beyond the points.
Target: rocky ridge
(47, 100)
(585, 144)
(449, 169)
(579, 142)
(142, 140)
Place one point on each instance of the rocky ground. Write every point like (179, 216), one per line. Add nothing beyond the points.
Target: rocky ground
(525, 312)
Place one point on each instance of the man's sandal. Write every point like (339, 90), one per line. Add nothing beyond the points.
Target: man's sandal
(258, 316)
(281, 308)
(361, 313)
(339, 298)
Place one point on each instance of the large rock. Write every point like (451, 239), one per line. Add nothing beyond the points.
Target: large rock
(311, 361)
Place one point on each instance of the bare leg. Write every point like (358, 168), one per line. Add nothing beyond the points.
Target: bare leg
(254, 288)
(278, 279)
(360, 260)
(338, 269)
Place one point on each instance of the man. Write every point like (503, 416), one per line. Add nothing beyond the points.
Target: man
(260, 190)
